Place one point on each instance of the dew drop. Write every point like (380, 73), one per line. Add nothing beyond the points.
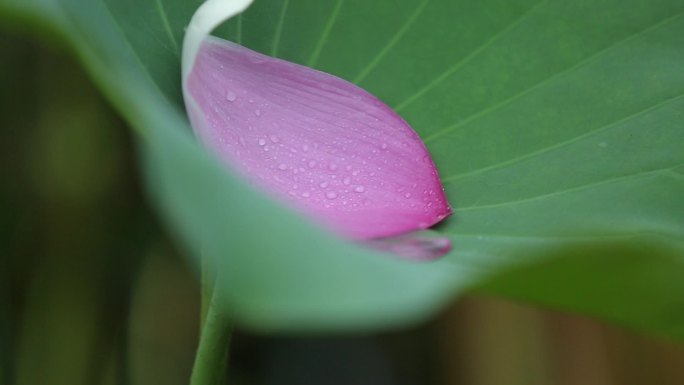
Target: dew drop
(359, 189)
(346, 180)
(384, 146)
(331, 195)
(306, 194)
(324, 184)
(262, 142)
(312, 163)
(407, 195)
(230, 96)
(282, 166)
(274, 138)
(257, 112)
(332, 167)
(305, 147)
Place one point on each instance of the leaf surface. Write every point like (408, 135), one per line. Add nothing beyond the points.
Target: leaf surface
(556, 127)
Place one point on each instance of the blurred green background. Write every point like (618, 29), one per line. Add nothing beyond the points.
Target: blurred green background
(93, 289)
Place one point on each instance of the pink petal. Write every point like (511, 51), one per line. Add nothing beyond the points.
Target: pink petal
(414, 246)
(327, 146)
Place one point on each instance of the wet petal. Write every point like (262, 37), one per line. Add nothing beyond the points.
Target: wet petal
(328, 147)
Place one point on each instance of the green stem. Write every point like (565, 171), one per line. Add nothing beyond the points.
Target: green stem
(212, 354)
(208, 278)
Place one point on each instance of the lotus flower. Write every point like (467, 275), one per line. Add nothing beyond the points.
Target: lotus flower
(329, 148)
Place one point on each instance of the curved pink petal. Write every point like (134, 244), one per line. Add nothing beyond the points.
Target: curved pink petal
(327, 146)
(418, 246)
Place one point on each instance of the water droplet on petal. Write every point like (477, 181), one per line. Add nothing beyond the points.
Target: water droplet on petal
(306, 194)
(331, 195)
(262, 142)
(332, 167)
(359, 189)
(230, 96)
(257, 112)
(312, 163)
(346, 180)
(407, 195)
(324, 184)
(274, 138)
(282, 166)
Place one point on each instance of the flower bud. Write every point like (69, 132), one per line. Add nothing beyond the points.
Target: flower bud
(329, 148)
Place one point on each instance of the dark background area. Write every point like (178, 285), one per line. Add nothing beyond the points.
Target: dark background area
(93, 290)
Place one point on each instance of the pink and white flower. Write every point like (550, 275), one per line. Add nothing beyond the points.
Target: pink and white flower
(329, 148)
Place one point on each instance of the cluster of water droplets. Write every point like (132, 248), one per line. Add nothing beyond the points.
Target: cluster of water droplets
(336, 181)
(360, 166)
(311, 178)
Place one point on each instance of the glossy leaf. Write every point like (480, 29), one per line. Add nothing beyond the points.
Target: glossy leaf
(554, 124)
